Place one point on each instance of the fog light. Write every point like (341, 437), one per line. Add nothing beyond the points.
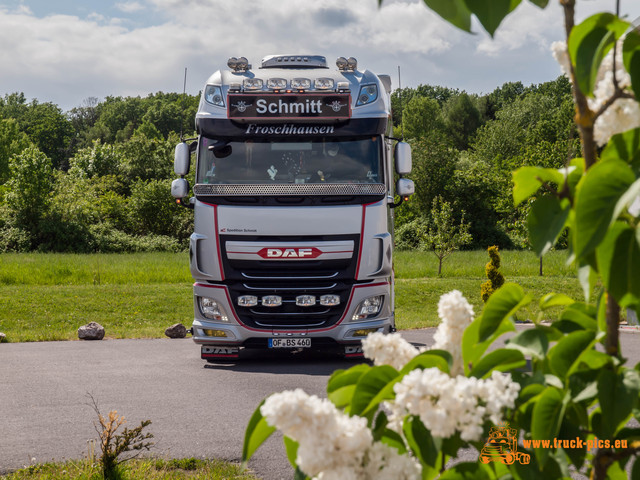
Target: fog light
(305, 300)
(368, 308)
(271, 301)
(247, 301)
(324, 83)
(252, 83)
(212, 309)
(214, 333)
(276, 83)
(330, 300)
(301, 83)
(363, 332)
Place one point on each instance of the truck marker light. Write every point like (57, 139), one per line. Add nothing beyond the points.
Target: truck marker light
(271, 301)
(330, 300)
(305, 300)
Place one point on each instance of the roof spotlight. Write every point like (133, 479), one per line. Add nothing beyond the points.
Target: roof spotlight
(352, 63)
(243, 63)
(341, 63)
(232, 63)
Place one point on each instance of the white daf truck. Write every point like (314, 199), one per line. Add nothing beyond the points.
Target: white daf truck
(293, 197)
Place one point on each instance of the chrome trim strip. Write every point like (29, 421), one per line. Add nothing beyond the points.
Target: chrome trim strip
(247, 190)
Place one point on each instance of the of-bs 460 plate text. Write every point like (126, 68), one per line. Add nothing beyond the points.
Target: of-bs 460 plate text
(289, 343)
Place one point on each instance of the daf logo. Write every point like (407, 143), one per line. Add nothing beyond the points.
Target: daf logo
(289, 253)
(241, 106)
(336, 106)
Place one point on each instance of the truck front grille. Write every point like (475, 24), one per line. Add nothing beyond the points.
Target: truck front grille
(289, 279)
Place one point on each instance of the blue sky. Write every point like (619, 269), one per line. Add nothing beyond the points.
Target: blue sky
(65, 51)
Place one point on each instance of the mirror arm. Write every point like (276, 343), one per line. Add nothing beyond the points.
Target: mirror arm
(398, 203)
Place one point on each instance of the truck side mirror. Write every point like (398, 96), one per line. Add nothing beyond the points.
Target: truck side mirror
(405, 187)
(182, 160)
(179, 188)
(402, 154)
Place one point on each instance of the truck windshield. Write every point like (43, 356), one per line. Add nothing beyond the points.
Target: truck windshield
(322, 160)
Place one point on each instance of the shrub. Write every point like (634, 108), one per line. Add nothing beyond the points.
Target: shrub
(496, 279)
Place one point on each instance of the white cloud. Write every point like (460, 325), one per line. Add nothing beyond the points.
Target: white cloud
(67, 58)
(130, 7)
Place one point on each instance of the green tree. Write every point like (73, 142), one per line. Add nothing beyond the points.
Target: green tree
(462, 119)
(28, 196)
(422, 116)
(12, 142)
(443, 236)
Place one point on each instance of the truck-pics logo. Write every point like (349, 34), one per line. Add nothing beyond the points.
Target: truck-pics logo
(502, 446)
(290, 253)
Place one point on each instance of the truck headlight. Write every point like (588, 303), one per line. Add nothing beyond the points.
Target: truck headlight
(368, 94)
(212, 309)
(369, 307)
(213, 95)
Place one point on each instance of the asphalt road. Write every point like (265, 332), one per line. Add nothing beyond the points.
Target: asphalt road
(196, 409)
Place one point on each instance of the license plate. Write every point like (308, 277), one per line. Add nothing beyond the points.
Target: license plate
(289, 343)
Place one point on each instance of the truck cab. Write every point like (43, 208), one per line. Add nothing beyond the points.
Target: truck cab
(293, 206)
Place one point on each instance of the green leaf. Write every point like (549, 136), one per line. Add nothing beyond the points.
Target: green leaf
(420, 441)
(619, 263)
(468, 471)
(598, 192)
(631, 59)
(258, 430)
(591, 359)
(551, 300)
(366, 395)
(473, 348)
(431, 358)
(490, 14)
(627, 199)
(547, 418)
(580, 315)
(502, 359)
(532, 342)
(566, 351)
(540, 3)
(588, 44)
(528, 180)
(616, 401)
(502, 304)
(587, 278)
(291, 447)
(623, 146)
(453, 11)
(342, 384)
(546, 221)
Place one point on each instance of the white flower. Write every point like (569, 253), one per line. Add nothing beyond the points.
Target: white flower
(456, 315)
(560, 53)
(389, 349)
(332, 445)
(624, 113)
(448, 405)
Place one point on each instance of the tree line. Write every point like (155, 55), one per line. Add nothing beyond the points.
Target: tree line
(97, 177)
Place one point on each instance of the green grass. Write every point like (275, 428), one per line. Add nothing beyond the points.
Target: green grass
(48, 296)
(141, 469)
(418, 288)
